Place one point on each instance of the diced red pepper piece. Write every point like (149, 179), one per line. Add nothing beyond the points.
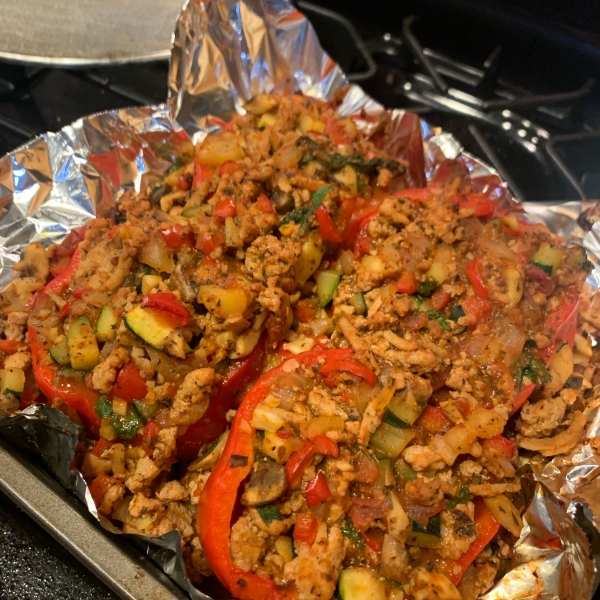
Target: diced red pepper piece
(100, 486)
(184, 182)
(151, 432)
(305, 311)
(264, 204)
(60, 283)
(100, 446)
(406, 284)
(479, 203)
(374, 539)
(209, 242)
(305, 528)
(480, 309)
(329, 232)
(228, 167)
(522, 396)
(325, 445)
(225, 208)
(298, 462)
(487, 527)
(201, 172)
(130, 385)
(415, 195)
(9, 346)
(351, 367)
(167, 308)
(337, 132)
(177, 235)
(317, 490)
(434, 419)
(499, 446)
(440, 299)
(474, 275)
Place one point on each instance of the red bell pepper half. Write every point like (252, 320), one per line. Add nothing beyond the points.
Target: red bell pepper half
(167, 308)
(71, 390)
(236, 378)
(218, 497)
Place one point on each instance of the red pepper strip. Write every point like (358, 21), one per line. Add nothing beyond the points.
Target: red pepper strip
(440, 299)
(474, 275)
(406, 284)
(225, 208)
(9, 346)
(237, 377)
(73, 391)
(130, 385)
(151, 432)
(415, 195)
(218, 497)
(480, 203)
(329, 232)
(362, 245)
(101, 445)
(499, 446)
(298, 462)
(305, 528)
(317, 490)
(264, 204)
(229, 166)
(201, 172)
(325, 445)
(351, 367)
(487, 527)
(167, 308)
(519, 400)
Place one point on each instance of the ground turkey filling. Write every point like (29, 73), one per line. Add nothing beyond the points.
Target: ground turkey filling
(446, 341)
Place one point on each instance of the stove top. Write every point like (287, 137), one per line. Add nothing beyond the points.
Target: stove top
(513, 86)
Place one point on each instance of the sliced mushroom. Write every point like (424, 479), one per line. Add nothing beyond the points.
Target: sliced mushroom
(34, 262)
(267, 482)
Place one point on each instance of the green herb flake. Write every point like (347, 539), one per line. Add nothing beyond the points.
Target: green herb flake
(350, 532)
(126, 427)
(103, 407)
(463, 497)
(269, 513)
(436, 315)
(427, 287)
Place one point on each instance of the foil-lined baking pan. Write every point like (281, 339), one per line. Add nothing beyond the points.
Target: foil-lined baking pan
(224, 52)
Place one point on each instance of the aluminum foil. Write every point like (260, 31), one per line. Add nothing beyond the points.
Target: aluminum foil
(224, 52)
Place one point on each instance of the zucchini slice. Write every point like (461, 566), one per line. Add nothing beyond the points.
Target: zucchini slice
(327, 283)
(547, 257)
(60, 353)
(106, 328)
(13, 381)
(83, 347)
(391, 440)
(147, 326)
(358, 583)
(405, 408)
(425, 537)
(359, 303)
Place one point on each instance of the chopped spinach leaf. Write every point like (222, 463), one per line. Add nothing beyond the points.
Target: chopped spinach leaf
(269, 513)
(436, 315)
(350, 532)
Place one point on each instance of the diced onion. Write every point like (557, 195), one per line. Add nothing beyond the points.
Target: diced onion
(506, 513)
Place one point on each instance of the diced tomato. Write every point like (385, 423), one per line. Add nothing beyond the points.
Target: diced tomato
(337, 132)
(305, 528)
(100, 446)
(166, 306)
(474, 275)
(374, 539)
(479, 203)
(439, 299)
(228, 167)
(406, 284)
(201, 172)
(366, 469)
(264, 204)
(225, 208)
(100, 486)
(151, 432)
(479, 308)
(325, 445)
(9, 346)
(317, 490)
(365, 510)
(298, 462)
(184, 182)
(351, 367)
(434, 419)
(305, 311)
(499, 446)
(209, 242)
(329, 232)
(130, 385)
(176, 235)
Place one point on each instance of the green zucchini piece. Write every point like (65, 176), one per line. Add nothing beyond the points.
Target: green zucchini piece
(427, 287)
(145, 411)
(83, 347)
(547, 257)
(127, 426)
(405, 408)
(327, 283)
(188, 213)
(391, 419)
(60, 352)
(457, 312)
(147, 326)
(106, 328)
(359, 583)
(13, 381)
(425, 537)
(386, 475)
(391, 440)
(359, 303)
(403, 470)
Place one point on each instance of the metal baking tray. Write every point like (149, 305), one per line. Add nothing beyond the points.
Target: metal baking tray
(125, 570)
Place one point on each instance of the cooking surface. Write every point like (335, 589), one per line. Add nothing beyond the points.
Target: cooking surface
(445, 65)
